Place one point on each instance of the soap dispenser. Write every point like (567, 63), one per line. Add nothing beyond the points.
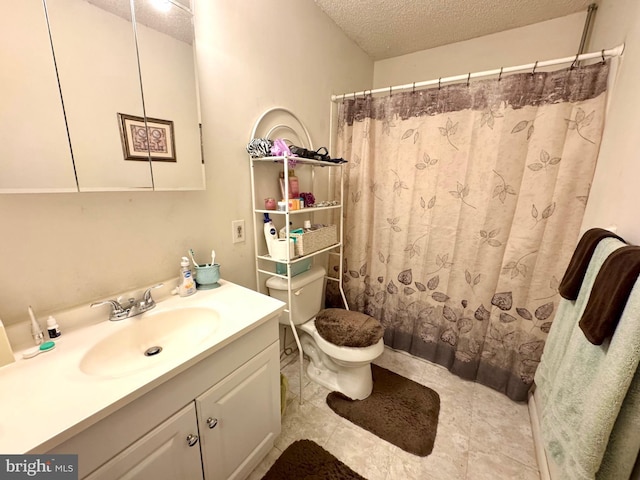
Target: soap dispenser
(186, 286)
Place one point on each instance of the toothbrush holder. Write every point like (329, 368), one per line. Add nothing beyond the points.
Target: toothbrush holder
(207, 276)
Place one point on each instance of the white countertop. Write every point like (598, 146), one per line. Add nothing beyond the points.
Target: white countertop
(47, 399)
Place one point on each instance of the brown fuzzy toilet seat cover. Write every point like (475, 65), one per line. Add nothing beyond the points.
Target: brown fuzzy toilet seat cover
(348, 329)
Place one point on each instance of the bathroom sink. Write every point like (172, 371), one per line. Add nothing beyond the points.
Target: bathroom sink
(134, 347)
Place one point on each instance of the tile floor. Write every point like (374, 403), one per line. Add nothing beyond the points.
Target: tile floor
(481, 433)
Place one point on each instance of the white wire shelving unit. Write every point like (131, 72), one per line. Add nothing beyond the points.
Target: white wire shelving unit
(279, 122)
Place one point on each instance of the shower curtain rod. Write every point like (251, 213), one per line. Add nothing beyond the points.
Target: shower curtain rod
(613, 52)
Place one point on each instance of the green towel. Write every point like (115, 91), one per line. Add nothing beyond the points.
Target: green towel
(584, 388)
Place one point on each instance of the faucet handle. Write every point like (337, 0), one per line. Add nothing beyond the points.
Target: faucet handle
(148, 302)
(147, 293)
(117, 311)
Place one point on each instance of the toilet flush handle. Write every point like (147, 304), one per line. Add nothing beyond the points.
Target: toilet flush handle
(298, 292)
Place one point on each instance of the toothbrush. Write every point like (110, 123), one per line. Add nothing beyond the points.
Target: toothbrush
(213, 257)
(192, 259)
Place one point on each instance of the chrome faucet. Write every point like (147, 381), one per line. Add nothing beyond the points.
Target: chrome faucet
(132, 308)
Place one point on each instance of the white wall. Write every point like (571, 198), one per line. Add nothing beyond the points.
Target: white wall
(61, 250)
(555, 38)
(615, 194)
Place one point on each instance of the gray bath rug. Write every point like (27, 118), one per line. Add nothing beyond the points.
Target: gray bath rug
(304, 459)
(399, 410)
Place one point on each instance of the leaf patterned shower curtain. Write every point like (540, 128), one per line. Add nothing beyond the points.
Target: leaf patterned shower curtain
(462, 208)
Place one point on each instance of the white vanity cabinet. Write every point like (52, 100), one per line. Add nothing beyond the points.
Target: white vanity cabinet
(226, 404)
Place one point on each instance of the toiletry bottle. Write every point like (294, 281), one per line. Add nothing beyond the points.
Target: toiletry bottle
(53, 329)
(36, 329)
(6, 353)
(294, 186)
(186, 286)
(270, 232)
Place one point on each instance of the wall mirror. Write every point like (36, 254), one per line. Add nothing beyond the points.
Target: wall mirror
(126, 75)
(165, 39)
(97, 64)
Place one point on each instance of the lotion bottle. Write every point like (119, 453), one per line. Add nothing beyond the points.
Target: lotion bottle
(270, 233)
(187, 285)
(294, 188)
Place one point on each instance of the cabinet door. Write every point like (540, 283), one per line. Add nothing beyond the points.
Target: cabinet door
(164, 453)
(167, 66)
(239, 417)
(98, 69)
(34, 149)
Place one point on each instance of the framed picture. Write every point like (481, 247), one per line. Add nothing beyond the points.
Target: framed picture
(139, 140)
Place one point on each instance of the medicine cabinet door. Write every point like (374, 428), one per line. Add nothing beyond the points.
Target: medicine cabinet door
(167, 67)
(34, 150)
(98, 69)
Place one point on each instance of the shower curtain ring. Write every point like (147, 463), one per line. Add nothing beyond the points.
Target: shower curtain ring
(603, 59)
(575, 61)
(535, 65)
(500, 75)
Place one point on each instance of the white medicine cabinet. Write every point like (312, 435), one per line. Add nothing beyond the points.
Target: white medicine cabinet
(82, 81)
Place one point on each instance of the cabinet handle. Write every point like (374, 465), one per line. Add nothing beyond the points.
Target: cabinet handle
(192, 439)
(212, 422)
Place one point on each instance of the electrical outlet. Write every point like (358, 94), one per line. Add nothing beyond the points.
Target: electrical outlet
(237, 231)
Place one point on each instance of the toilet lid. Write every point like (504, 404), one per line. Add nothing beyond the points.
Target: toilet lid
(348, 328)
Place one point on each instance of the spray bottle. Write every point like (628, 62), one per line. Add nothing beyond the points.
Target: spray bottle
(186, 285)
(270, 232)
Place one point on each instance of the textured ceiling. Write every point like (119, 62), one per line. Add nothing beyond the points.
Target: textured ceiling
(389, 28)
(172, 21)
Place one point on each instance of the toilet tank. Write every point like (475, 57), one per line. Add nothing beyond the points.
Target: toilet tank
(306, 294)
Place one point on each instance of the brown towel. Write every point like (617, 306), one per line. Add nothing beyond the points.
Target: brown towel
(609, 295)
(573, 276)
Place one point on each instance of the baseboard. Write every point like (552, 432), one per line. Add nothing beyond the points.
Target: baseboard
(541, 456)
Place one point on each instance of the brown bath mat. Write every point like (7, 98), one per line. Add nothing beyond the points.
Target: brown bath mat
(304, 459)
(399, 411)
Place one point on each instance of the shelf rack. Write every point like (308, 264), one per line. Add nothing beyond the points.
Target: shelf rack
(303, 139)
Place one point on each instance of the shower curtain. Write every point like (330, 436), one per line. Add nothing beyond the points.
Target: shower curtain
(462, 208)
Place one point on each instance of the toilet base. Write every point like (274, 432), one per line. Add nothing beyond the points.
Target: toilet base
(353, 381)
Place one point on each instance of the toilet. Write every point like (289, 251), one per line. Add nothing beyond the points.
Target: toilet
(346, 369)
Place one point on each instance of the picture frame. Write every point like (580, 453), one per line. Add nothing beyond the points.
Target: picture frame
(140, 141)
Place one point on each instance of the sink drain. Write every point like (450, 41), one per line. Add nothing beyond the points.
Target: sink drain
(151, 351)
